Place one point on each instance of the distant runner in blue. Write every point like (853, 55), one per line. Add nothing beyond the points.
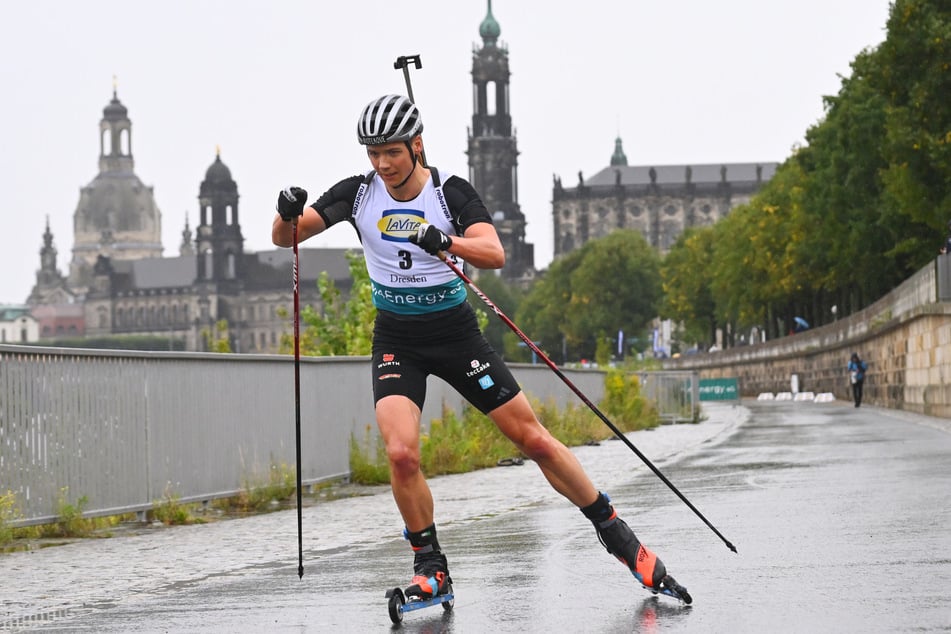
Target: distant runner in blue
(857, 369)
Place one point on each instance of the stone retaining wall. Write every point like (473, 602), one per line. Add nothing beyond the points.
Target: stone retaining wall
(905, 337)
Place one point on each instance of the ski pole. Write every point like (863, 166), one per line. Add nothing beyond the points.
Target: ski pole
(300, 538)
(617, 432)
(403, 61)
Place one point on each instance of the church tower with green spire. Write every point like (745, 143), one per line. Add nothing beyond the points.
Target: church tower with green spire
(493, 152)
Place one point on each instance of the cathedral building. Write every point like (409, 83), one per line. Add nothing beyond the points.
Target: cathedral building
(119, 283)
(116, 216)
(659, 201)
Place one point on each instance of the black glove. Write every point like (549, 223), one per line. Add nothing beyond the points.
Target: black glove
(430, 239)
(290, 202)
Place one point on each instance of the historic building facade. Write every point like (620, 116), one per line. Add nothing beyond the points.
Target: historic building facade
(493, 150)
(119, 283)
(659, 201)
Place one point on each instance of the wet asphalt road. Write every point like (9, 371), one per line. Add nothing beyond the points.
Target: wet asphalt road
(841, 516)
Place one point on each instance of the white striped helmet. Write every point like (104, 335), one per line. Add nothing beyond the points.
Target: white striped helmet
(389, 119)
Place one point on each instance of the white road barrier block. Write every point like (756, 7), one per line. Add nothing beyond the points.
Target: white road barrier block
(765, 396)
(805, 396)
(784, 396)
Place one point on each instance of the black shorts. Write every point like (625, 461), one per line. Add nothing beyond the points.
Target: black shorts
(448, 344)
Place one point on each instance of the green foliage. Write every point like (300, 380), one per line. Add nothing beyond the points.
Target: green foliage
(455, 445)
(607, 285)
(912, 72)
(624, 404)
(343, 328)
(686, 276)
(262, 493)
(70, 521)
(171, 512)
(507, 298)
(9, 513)
(217, 339)
(603, 350)
(368, 464)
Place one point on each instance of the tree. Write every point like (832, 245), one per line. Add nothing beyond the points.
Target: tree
(841, 166)
(686, 277)
(912, 71)
(609, 284)
(507, 298)
(217, 339)
(340, 327)
(540, 315)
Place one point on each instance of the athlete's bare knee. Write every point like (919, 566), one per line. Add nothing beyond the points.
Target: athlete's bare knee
(539, 445)
(404, 462)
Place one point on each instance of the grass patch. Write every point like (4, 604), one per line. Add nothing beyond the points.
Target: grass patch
(70, 522)
(9, 513)
(368, 463)
(264, 492)
(459, 445)
(170, 511)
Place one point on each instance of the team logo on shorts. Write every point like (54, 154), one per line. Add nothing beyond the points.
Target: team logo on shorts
(486, 382)
(389, 360)
(477, 367)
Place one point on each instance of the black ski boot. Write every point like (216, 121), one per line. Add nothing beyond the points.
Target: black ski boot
(620, 541)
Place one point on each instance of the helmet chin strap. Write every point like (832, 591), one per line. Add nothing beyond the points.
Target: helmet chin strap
(410, 147)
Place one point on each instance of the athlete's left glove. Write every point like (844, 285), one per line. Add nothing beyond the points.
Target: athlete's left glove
(430, 239)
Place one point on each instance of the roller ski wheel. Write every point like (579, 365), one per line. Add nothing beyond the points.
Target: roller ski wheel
(399, 604)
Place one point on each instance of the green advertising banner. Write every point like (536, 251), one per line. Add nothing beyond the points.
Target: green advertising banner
(719, 390)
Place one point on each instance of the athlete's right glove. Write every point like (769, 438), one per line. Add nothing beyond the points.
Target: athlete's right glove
(290, 203)
(430, 239)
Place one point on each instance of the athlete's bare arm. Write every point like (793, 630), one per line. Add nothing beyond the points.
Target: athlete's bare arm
(479, 246)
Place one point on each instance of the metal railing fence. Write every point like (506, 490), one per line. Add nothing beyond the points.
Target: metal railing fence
(675, 394)
(123, 429)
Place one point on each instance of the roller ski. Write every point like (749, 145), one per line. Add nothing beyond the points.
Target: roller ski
(620, 541)
(399, 602)
(431, 584)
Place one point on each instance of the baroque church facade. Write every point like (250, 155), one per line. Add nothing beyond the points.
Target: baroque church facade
(119, 283)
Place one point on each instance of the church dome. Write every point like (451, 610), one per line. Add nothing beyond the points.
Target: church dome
(119, 203)
(218, 180)
(115, 110)
(218, 172)
(490, 29)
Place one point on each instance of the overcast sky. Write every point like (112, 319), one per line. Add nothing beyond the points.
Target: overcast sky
(278, 86)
